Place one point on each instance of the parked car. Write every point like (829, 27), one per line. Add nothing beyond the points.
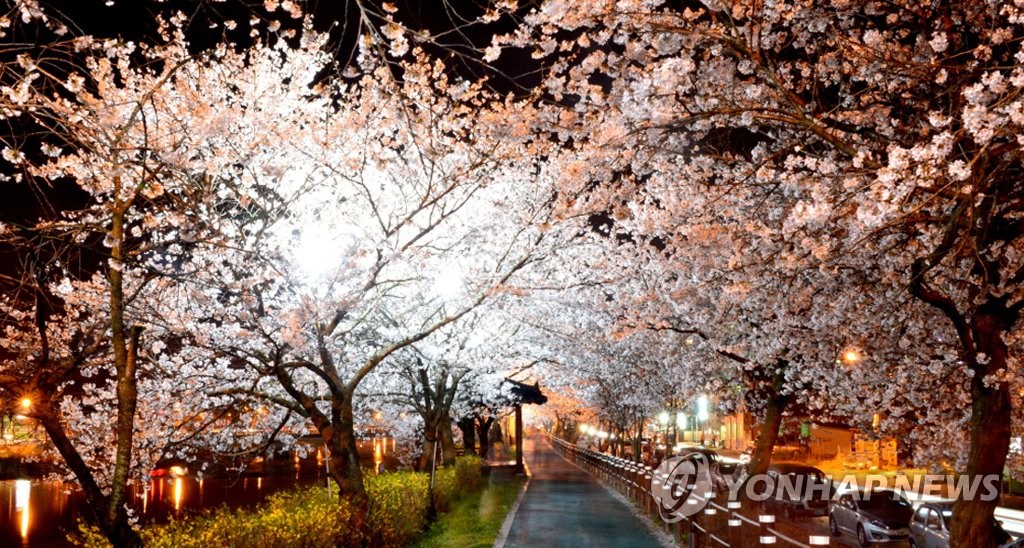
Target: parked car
(929, 527)
(812, 494)
(721, 468)
(876, 516)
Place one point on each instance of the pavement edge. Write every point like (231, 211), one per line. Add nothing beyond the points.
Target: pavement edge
(506, 525)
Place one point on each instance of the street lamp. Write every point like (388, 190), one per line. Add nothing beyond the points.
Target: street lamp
(702, 408)
(702, 414)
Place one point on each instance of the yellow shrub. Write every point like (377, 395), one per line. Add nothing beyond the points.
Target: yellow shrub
(399, 503)
(398, 507)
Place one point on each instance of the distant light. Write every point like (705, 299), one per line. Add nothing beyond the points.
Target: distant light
(681, 421)
(851, 356)
(702, 408)
(26, 403)
(663, 417)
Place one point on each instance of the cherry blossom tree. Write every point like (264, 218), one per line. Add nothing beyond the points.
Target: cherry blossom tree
(133, 137)
(893, 123)
(274, 232)
(399, 215)
(451, 375)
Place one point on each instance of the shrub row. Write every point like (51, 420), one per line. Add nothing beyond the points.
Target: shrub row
(452, 483)
(398, 514)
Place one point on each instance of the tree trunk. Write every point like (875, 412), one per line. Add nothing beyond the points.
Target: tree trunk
(762, 456)
(638, 447)
(483, 428)
(428, 453)
(117, 528)
(468, 428)
(444, 433)
(990, 434)
(344, 460)
(431, 435)
(119, 531)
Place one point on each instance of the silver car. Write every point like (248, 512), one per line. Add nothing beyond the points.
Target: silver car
(929, 527)
(873, 516)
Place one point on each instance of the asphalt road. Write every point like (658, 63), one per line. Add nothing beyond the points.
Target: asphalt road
(565, 506)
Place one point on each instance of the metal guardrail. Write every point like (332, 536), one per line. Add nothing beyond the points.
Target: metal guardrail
(633, 480)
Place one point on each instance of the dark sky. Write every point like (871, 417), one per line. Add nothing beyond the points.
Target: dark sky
(445, 20)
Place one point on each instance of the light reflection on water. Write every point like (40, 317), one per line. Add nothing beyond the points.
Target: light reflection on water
(22, 492)
(39, 513)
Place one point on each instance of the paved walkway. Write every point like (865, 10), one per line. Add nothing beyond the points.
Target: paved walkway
(565, 506)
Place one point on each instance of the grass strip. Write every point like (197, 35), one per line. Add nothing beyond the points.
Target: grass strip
(476, 519)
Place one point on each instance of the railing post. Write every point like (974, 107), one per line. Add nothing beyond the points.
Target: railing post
(765, 521)
(735, 523)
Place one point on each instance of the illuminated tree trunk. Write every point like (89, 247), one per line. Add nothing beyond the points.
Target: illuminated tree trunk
(774, 408)
(468, 429)
(483, 431)
(446, 439)
(991, 413)
(429, 451)
(115, 522)
(344, 460)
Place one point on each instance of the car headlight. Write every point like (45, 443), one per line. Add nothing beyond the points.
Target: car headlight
(879, 523)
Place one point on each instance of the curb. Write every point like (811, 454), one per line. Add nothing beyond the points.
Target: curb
(506, 525)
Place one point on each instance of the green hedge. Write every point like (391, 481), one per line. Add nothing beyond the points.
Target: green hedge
(313, 517)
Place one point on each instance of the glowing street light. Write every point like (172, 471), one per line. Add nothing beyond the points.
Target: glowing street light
(702, 408)
(449, 283)
(663, 418)
(681, 421)
(26, 403)
(851, 356)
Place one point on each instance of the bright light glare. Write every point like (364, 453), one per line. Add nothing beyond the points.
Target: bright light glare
(663, 417)
(317, 252)
(851, 356)
(26, 403)
(322, 247)
(22, 489)
(702, 408)
(449, 284)
(681, 421)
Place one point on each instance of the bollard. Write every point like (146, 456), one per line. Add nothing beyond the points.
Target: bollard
(735, 524)
(766, 536)
(648, 497)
